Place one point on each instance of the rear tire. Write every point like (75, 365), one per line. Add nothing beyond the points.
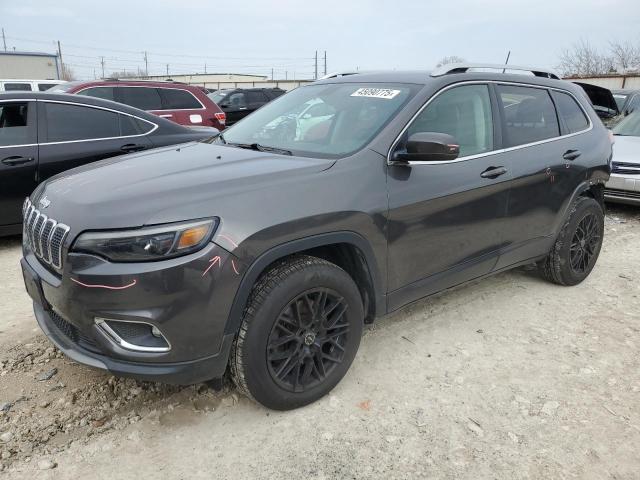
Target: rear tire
(578, 245)
(299, 335)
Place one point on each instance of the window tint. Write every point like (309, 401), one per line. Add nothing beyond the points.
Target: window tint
(133, 126)
(13, 124)
(45, 86)
(570, 112)
(144, 98)
(75, 122)
(17, 87)
(236, 100)
(529, 115)
(173, 99)
(99, 92)
(463, 112)
(256, 97)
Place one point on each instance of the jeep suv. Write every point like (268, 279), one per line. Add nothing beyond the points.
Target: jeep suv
(181, 103)
(264, 251)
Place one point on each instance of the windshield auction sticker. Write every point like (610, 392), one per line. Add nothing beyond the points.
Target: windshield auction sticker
(375, 93)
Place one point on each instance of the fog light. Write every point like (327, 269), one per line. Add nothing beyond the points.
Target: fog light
(156, 332)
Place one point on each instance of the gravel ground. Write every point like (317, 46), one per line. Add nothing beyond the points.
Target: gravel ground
(505, 378)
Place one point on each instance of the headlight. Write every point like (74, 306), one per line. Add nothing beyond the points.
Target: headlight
(145, 244)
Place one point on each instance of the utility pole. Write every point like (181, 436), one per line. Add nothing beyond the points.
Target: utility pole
(325, 62)
(315, 75)
(272, 74)
(205, 68)
(286, 74)
(61, 63)
(4, 40)
(102, 64)
(167, 69)
(146, 65)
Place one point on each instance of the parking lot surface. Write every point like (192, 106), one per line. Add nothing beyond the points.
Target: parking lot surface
(510, 377)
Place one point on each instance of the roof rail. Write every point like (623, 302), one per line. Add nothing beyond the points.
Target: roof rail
(464, 67)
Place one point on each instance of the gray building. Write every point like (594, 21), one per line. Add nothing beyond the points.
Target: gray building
(36, 65)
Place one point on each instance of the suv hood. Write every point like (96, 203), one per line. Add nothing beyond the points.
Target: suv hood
(602, 100)
(166, 185)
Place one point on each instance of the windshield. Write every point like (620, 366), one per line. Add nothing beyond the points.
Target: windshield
(218, 96)
(620, 99)
(328, 120)
(629, 126)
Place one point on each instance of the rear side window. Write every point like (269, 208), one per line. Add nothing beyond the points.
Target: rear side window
(99, 92)
(173, 99)
(236, 100)
(144, 98)
(462, 112)
(14, 129)
(529, 115)
(75, 122)
(256, 97)
(17, 87)
(133, 126)
(570, 112)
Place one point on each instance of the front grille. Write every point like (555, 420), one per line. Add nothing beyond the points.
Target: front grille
(622, 193)
(73, 333)
(44, 235)
(625, 168)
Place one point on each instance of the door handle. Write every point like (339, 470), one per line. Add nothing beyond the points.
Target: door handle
(493, 172)
(132, 147)
(16, 160)
(571, 154)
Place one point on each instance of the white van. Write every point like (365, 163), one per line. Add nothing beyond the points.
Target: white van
(19, 85)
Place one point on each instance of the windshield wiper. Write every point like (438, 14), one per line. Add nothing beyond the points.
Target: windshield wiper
(260, 148)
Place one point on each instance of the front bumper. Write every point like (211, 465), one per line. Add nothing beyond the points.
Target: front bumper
(186, 298)
(623, 189)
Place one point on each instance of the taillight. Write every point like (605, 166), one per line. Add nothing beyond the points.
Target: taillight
(221, 117)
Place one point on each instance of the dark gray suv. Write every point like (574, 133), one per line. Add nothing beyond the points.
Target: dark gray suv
(264, 251)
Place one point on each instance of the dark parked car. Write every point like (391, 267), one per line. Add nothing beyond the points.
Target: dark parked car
(185, 104)
(42, 134)
(266, 249)
(628, 100)
(237, 103)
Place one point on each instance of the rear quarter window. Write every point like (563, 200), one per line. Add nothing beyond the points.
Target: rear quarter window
(174, 99)
(570, 112)
(529, 114)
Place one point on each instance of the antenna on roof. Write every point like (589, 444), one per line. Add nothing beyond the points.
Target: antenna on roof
(506, 62)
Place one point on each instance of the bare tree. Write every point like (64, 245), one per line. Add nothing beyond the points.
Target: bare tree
(584, 59)
(626, 56)
(67, 73)
(127, 74)
(450, 59)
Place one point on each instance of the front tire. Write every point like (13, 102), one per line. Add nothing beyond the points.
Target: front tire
(300, 332)
(578, 245)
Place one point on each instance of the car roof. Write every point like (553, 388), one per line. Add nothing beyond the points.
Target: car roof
(125, 82)
(91, 101)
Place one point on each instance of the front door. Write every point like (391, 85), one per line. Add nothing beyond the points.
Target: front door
(446, 218)
(18, 158)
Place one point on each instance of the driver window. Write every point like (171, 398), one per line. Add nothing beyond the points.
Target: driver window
(462, 112)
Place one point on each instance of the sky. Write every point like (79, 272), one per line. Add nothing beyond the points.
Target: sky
(256, 36)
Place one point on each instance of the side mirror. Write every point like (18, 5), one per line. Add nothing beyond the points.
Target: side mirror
(428, 147)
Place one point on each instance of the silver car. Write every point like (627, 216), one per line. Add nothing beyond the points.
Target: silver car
(624, 184)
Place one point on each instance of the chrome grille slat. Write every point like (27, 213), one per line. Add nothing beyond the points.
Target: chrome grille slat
(44, 235)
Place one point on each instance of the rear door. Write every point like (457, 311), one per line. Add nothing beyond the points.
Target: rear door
(545, 173)
(182, 105)
(18, 157)
(74, 134)
(256, 99)
(446, 217)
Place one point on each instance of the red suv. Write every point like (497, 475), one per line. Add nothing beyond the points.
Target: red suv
(184, 104)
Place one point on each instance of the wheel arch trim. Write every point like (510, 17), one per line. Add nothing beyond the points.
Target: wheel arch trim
(275, 253)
